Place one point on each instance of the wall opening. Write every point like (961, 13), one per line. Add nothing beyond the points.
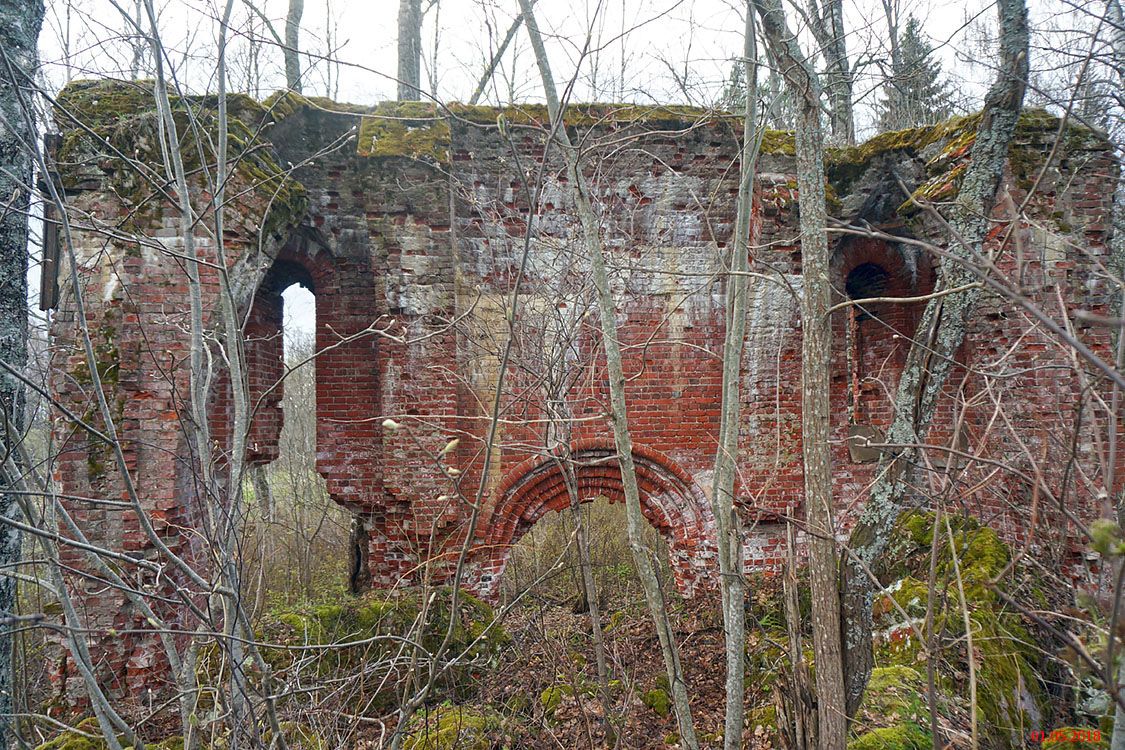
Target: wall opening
(866, 281)
(302, 547)
(545, 561)
(531, 491)
(875, 335)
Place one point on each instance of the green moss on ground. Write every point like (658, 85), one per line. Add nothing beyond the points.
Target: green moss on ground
(455, 728)
(366, 629)
(658, 700)
(1076, 738)
(1009, 691)
(551, 698)
(298, 737)
(893, 715)
(902, 737)
(78, 740)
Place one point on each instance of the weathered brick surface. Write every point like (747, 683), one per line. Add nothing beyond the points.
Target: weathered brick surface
(414, 264)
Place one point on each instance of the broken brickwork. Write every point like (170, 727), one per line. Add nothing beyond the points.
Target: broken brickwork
(409, 224)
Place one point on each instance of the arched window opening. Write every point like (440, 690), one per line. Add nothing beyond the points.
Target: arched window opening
(302, 535)
(866, 281)
(867, 338)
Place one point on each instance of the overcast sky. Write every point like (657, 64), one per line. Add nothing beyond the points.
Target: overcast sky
(671, 50)
(648, 51)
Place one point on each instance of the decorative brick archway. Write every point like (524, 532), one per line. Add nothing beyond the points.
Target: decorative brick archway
(670, 500)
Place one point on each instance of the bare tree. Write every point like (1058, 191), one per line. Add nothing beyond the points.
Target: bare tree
(939, 334)
(728, 519)
(19, 35)
(816, 350)
(292, 48)
(409, 50)
(826, 19)
(619, 412)
(497, 56)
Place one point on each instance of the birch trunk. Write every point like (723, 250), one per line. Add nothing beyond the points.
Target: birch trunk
(497, 56)
(409, 50)
(815, 361)
(591, 234)
(1117, 251)
(727, 517)
(939, 335)
(19, 35)
(827, 24)
(292, 49)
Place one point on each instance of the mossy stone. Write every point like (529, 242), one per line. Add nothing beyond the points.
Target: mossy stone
(454, 728)
(658, 700)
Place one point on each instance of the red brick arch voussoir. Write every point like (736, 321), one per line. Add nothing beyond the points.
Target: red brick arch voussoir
(671, 501)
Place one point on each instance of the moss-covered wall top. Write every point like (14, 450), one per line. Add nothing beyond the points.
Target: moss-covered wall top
(111, 139)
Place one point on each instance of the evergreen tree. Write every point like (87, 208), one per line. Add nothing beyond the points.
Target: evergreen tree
(774, 100)
(914, 95)
(733, 97)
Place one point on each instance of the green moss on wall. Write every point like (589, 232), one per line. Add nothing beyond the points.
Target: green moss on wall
(414, 130)
(112, 133)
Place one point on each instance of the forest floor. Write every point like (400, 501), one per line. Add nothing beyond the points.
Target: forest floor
(549, 678)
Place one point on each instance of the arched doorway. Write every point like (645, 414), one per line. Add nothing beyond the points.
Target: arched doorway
(670, 500)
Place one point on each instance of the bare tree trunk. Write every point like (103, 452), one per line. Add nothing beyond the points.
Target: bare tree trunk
(816, 350)
(19, 35)
(497, 56)
(891, 13)
(727, 517)
(409, 50)
(590, 589)
(138, 44)
(292, 48)
(939, 334)
(804, 724)
(619, 416)
(1117, 252)
(827, 23)
(263, 495)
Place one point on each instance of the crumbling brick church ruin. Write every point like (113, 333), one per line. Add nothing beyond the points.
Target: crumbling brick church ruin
(409, 224)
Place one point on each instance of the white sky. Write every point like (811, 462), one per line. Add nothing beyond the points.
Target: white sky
(667, 51)
(671, 50)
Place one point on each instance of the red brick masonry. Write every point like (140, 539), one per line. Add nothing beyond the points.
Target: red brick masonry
(426, 247)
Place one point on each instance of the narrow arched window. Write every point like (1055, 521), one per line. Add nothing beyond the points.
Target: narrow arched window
(868, 336)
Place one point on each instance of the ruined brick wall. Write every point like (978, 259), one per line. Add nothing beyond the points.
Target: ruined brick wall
(411, 234)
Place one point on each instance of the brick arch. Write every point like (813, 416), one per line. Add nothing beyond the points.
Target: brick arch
(871, 341)
(670, 499)
(264, 345)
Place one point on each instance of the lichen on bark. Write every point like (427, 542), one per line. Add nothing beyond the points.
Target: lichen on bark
(939, 334)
